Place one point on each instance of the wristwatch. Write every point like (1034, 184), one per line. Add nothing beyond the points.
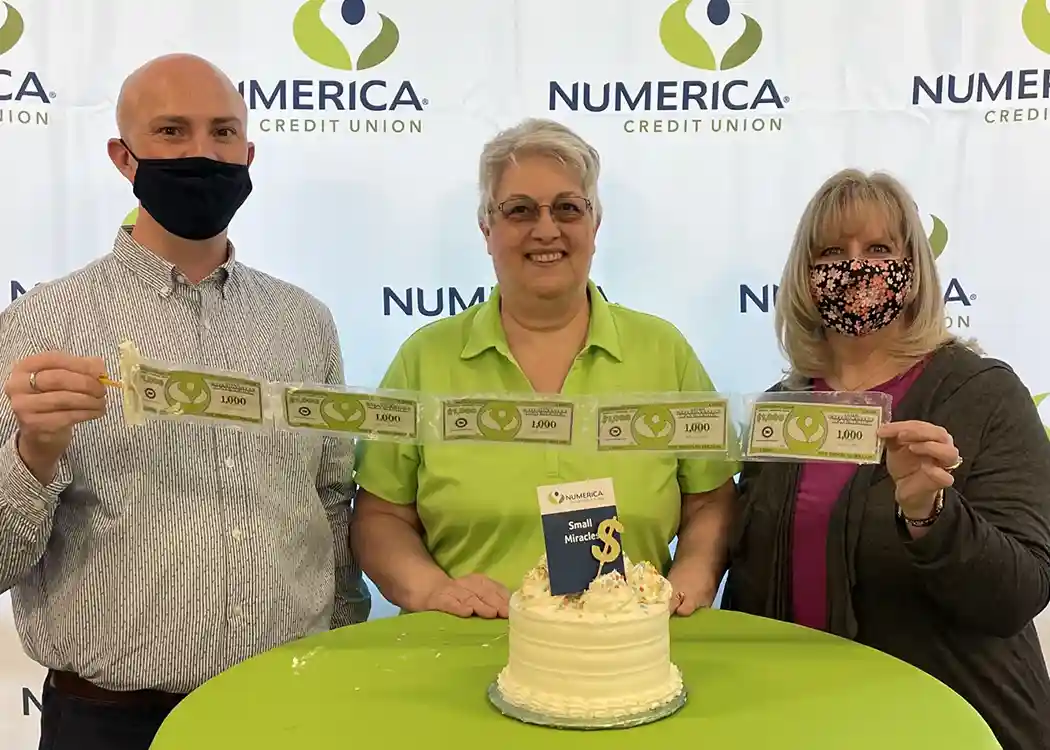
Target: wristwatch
(938, 506)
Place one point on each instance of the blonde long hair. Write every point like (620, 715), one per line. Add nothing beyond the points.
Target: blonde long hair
(844, 198)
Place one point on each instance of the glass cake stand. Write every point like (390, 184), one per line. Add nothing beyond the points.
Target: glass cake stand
(530, 717)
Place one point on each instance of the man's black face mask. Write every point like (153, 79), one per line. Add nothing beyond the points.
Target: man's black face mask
(193, 197)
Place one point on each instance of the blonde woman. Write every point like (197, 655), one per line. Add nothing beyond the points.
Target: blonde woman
(941, 555)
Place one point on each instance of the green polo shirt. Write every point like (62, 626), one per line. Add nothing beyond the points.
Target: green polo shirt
(477, 501)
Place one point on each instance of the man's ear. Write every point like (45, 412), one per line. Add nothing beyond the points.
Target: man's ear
(118, 154)
(251, 153)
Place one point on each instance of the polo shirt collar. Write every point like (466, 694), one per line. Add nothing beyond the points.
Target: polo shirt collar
(158, 273)
(486, 330)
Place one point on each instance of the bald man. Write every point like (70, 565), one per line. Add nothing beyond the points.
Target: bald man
(144, 561)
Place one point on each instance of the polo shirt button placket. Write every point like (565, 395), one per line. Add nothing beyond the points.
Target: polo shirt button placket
(553, 465)
(553, 457)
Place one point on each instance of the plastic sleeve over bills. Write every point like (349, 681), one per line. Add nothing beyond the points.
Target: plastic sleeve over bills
(693, 424)
(160, 390)
(345, 412)
(798, 426)
(518, 419)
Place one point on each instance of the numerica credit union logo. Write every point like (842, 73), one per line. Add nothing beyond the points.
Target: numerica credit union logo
(345, 40)
(13, 28)
(322, 45)
(24, 99)
(958, 303)
(1015, 96)
(703, 39)
(687, 46)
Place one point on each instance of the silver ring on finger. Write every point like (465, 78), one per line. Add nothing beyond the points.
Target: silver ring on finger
(32, 383)
(956, 465)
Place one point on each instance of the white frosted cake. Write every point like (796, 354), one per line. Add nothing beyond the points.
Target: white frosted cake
(604, 654)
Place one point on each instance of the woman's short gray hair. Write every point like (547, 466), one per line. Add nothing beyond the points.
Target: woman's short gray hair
(843, 197)
(537, 137)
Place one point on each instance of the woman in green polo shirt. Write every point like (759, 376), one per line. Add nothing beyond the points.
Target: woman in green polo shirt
(454, 527)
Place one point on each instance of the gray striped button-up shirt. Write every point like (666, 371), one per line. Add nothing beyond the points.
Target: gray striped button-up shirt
(163, 554)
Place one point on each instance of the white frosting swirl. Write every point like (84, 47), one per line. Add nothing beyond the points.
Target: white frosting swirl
(643, 589)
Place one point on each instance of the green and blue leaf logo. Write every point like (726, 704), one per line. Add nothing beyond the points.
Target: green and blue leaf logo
(1038, 399)
(322, 45)
(686, 45)
(953, 292)
(1035, 21)
(13, 28)
(938, 236)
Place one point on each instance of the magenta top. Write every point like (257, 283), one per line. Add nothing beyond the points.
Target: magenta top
(819, 486)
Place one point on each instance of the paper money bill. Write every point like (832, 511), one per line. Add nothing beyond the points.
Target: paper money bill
(485, 420)
(670, 426)
(815, 432)
(200, 395)
(349, 413)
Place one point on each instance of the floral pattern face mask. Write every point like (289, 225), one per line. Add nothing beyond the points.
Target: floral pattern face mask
(860, 296)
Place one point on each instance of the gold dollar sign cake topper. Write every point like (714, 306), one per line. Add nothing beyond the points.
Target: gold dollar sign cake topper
(611, 549)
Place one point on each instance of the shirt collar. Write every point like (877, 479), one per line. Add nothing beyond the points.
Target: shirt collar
(158, 273)
(486, 330)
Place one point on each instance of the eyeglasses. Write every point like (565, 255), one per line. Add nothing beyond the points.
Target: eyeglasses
(524, 210)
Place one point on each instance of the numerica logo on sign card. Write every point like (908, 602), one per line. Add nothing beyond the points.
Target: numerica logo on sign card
(557, 497)
(710, 37)
(1001, 97)
(24, 100)
(762, 299)
(350, 40)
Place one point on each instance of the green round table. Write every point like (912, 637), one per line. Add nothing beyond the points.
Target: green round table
(419, 681)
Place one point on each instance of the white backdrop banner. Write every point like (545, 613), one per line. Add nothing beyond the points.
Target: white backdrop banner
(716, 122)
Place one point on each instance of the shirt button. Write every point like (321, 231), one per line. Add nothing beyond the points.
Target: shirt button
(165, 292)
(230, 463)
(207, 325)
(237, 610)
(237, 534)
